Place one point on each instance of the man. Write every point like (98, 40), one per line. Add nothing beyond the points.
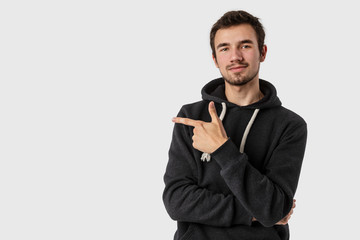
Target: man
(214, 190)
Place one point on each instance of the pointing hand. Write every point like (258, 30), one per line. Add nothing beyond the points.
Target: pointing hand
(208, 136)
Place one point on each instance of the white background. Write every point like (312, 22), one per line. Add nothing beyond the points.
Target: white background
(88, 90)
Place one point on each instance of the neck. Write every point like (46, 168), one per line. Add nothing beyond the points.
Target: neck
(243, 95)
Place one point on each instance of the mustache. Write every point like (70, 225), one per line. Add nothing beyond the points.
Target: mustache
(237, 65)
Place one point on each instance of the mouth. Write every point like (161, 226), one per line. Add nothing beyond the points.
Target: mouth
(237, 68)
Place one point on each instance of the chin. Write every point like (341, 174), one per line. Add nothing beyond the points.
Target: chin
(238, 82)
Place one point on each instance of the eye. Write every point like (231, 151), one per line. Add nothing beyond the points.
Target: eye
(246, 46)
(224, 49)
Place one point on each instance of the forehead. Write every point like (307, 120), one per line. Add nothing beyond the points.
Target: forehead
(235, 34)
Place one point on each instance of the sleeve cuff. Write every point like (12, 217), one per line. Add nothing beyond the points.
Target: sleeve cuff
(226, 153)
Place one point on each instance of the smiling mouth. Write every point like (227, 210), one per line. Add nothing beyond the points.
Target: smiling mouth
(237, 68)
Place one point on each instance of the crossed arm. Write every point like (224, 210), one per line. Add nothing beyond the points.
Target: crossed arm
(209, 136)
(186, 201)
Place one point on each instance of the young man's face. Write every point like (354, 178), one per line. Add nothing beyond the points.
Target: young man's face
(237, 54)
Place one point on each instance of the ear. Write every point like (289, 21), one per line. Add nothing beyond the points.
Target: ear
(263, 53)
(215, 61)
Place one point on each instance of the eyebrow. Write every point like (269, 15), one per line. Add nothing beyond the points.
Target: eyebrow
(228, 44)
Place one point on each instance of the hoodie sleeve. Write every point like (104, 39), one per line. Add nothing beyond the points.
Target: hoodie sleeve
(186, 201)
(267, 196)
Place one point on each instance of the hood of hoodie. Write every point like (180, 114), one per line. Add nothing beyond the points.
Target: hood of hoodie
(215, 91)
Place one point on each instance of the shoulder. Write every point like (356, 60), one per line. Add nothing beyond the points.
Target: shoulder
(284, 115)
(283, 121)
(292, 124)
(292, 117)
(193, 110)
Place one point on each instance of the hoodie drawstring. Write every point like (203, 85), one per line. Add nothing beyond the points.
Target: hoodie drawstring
(207, 157)
(247, 130)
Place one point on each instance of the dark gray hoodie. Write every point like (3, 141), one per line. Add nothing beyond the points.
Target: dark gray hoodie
(217, 199)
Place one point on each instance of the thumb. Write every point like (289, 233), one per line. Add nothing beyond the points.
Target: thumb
(213, 113)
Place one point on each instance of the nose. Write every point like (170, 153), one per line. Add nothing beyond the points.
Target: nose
(236, 55)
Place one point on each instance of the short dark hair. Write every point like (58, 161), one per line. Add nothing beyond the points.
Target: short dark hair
(233, 18)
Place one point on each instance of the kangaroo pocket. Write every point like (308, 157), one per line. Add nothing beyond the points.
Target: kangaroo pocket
(203, 232)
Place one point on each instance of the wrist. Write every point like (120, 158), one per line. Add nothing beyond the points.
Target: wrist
(220, 142)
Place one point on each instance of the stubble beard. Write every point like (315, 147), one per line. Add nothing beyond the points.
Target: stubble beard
(239, 79)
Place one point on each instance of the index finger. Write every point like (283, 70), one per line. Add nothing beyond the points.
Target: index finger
(186, 121)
